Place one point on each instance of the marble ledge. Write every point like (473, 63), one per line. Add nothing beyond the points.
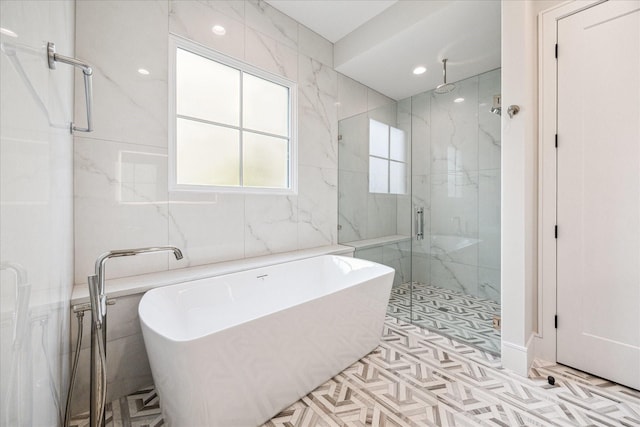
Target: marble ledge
(140, 284)
(378, 241)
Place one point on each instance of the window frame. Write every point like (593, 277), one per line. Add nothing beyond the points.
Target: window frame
(388, 159)
(176, 43)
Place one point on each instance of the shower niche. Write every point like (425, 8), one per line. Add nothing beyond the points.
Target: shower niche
(431, 209)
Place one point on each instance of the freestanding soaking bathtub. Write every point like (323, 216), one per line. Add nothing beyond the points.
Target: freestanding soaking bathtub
(235, 350)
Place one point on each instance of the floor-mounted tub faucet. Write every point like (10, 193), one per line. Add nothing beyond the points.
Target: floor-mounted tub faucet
(98, 298)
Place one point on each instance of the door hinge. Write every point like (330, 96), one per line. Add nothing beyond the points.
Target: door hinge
(556, 50)
(555, 231)
(556, 140)
(555, 321)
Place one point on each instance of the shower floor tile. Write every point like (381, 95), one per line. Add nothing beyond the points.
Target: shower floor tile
(417, 377)
(464, 317)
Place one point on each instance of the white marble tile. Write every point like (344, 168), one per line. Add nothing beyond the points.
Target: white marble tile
(117, 38)
(421, 134)
(353, 190)
(127, 366)
(120, 202)
(352, 97)
(24, 113)
(454, 129)
(385, 114)
(404, 215)
(232, 8)
(374, 254)
(207, 227)
(489, 218)
(421, 198)
(398, 256)
(195, 19)
(125, 321)
(376, 100)
(317, 207)
(354, 144)
(404, 115)
(381, 215)
(420, 261)
(317, 120)
(454, 249)
(271, 224)
(454, 204)
(266, 19)
(127, 370)
(315, 46)
(452, 275)
(402, 269)
(268, 54)
(489, 283)
(489, 145)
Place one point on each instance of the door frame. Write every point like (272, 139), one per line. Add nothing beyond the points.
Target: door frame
(545, 338)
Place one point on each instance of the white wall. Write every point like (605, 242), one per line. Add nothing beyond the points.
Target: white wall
(121, 193)
(519, 181)
(35, 212)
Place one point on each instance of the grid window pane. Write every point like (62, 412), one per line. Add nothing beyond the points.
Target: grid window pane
(207, 154)
(398, 146)
(206, 89)
(265, 106)
(266, 161)
(397, 178)
(378, 139)
(378, 175)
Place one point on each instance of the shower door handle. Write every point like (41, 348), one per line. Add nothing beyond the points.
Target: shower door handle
(419, 223)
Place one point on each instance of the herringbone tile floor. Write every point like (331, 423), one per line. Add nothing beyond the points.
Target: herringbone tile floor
(420, 378)
(464, 317)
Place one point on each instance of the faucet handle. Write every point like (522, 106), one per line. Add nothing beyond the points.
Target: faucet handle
(96, 305)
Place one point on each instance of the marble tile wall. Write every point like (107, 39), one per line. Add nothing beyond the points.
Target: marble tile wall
(456, 179)
(36, 211)
(121, 192)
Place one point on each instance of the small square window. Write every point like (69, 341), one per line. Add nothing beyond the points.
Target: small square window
(387, 159)
(233, 125)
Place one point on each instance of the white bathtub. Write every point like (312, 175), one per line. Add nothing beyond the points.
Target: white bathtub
(234, 350)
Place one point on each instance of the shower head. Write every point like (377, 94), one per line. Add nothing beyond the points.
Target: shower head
(444, 87)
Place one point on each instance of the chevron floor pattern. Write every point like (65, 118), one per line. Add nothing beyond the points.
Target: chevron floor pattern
(464, 317)
(417, 377)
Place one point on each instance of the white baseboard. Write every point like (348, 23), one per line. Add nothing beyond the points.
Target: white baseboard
(518, 358)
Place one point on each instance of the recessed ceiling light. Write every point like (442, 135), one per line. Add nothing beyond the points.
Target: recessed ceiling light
(219, 30)
(7, 32)
(143, 71)
(419, 70)
(458, 100)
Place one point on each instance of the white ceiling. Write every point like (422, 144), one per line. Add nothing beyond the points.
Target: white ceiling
(379, 42)
(332, 19)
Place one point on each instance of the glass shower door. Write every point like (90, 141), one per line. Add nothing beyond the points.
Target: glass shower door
(374, 201)
(456, 207)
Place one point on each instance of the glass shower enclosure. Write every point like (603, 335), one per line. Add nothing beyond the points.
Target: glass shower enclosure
(419, 190)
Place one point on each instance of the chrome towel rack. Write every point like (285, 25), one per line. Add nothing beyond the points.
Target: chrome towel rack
(87, 73)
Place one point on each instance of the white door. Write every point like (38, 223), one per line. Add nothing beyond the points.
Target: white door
(598, 194)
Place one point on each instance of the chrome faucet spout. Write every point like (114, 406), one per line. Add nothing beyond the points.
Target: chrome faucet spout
(98, 297)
